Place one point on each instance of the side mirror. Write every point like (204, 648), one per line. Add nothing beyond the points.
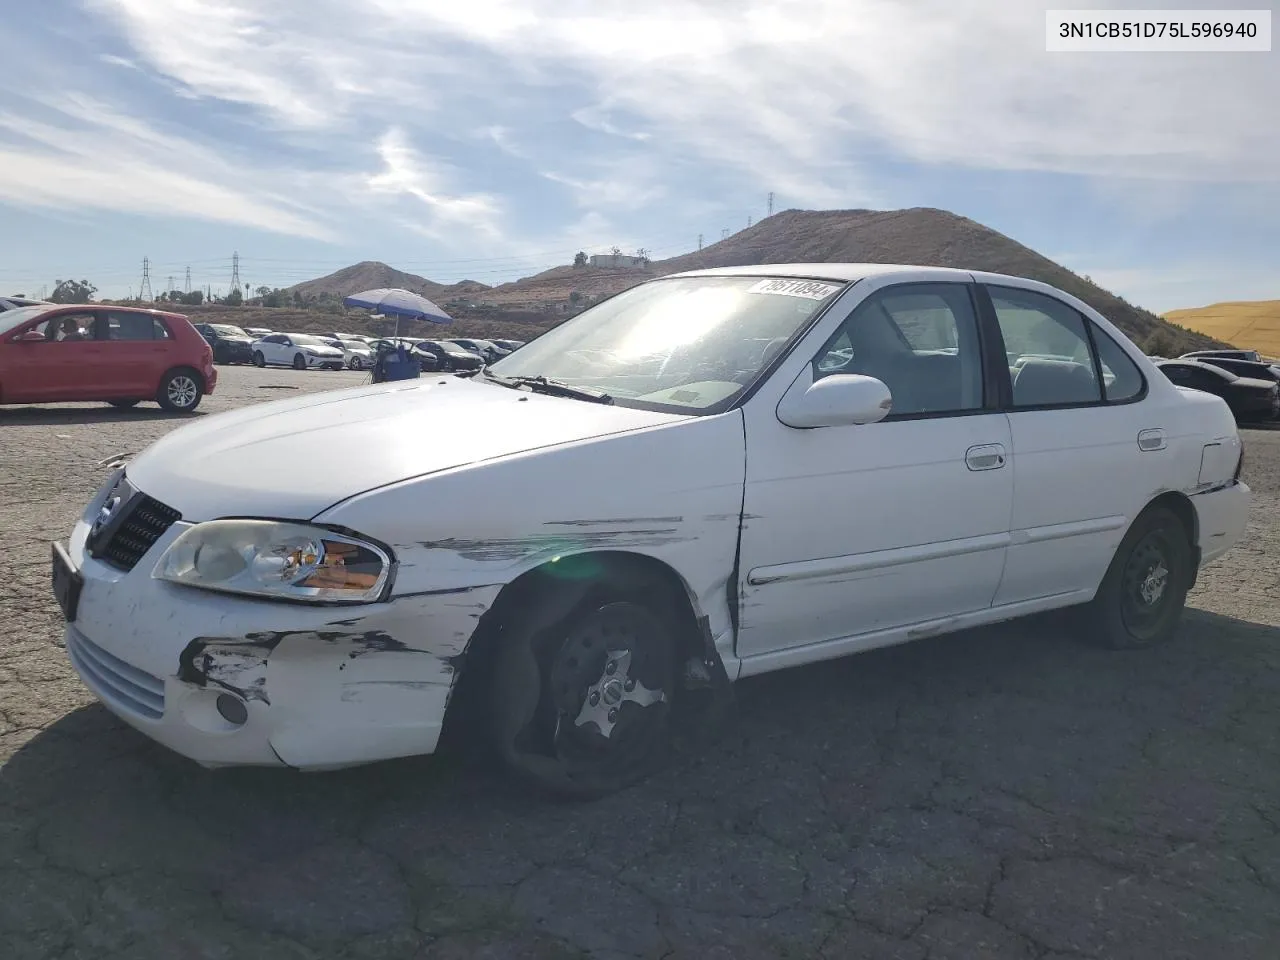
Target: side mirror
(842, 399)
(31, 336)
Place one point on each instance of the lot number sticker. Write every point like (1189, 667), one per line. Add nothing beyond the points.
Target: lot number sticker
(809, 289)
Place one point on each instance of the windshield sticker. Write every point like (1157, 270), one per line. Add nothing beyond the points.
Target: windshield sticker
(809, 289)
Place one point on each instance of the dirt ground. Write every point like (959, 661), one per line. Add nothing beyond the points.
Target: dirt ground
(1002, 793)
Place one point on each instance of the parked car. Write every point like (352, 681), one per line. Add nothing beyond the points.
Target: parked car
(120, 355)
(1246, 368)
(13, 303)
(257, 333)
(1226, 354)
(298, 350)
(1249, 398)
(358, 354)
(445, 356)
(511, 346)
(230, 343)
(604, 551)
(486, 349)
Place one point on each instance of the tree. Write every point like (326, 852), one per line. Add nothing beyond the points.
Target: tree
(615, 251)
(1160, 344)
(580, 259)
(234, 298)
(72, 291)
(194, 298)
(575, 296)
(262, 291)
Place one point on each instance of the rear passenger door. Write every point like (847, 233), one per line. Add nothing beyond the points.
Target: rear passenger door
(1088, 452)
(136, 351)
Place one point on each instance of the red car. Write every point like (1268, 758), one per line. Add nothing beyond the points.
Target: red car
(120, 355)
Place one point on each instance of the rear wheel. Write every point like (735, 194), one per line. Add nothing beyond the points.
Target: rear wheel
(299, 362)
(258, 359)
(180, 391)
(1145, 589)
(583, 709)
(355, 363)
(124, 404)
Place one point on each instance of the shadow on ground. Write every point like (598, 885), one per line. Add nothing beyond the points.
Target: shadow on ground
(1007, 792)
(52, 415)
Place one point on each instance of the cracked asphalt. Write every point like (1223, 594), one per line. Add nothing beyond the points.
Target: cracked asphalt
(1002, 793)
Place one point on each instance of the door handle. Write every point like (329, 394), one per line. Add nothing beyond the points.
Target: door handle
(985, 456)
(1151, 440)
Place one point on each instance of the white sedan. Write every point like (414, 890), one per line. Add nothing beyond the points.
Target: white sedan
(357, 354)
(778, 465)
(302, 351)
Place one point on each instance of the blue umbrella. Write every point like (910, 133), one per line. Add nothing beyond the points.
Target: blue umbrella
(398, 303)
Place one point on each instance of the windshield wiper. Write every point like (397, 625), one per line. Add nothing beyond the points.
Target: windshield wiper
(553, 388)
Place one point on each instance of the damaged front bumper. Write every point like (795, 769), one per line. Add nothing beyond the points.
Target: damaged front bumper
(317, 687)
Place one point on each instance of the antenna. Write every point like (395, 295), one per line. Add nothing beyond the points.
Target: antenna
(724, 234)
(699, 241)
(235, 272)
(771, 203)
(186, 283)
(748, 221)
(144, 292)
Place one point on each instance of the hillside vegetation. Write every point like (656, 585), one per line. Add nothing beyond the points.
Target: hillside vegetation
(1249, 324)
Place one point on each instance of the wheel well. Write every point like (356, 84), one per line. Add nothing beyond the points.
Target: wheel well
(1180, 505)
(549, 594)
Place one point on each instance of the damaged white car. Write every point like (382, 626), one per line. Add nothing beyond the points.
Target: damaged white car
(708, 476)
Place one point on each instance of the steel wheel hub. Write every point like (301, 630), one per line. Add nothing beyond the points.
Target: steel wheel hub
(614, 687)
(1153, 584)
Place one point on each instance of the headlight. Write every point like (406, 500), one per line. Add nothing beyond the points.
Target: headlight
(267, 558)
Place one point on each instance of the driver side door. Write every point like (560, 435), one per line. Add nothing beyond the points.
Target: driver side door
(53, 370)
(852, 533)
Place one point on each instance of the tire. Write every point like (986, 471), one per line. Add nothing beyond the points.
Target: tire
(180, 390)
(583, 709)
(1141, 599)
(258, 359)
(355, 363)
(124, 404)
(299, 362)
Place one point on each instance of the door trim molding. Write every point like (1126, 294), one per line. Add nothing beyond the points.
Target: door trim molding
(875, 559)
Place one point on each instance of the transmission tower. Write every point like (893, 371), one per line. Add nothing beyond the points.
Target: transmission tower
(235, 272)
(144, 291)
(170, 288)
(699, 241)
(771, 203)
(748, 221)
(724, 234)
(186, 283)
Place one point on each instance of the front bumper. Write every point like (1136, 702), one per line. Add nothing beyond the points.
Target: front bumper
(322, 687)
(326, 363)
(1223, 515)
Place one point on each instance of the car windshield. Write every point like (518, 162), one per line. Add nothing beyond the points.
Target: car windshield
(304, 340)
(228, 330)
(15, 318)
(682, 344)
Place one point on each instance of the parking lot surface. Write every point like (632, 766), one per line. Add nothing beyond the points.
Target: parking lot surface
(1002, 793)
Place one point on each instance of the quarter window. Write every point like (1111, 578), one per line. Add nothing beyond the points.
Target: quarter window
(1121, 378)
(921, 340)
(1047, 347)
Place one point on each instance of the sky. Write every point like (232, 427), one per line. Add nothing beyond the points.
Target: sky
(491, 139)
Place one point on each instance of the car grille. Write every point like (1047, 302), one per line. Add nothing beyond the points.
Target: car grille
(145, 522)
(115, 681)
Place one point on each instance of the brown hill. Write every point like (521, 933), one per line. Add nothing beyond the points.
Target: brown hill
(1249, 324)
(920, 235)
(372, 275)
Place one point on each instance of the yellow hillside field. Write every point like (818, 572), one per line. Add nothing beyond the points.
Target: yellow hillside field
(1248, 324)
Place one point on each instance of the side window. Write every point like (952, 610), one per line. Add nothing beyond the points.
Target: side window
(921, 339)
(129, 326)
(159, 331)
(71, 327)
(1121, 378)
(1048, 349)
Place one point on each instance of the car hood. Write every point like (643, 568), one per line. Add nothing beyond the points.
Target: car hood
(291, 459)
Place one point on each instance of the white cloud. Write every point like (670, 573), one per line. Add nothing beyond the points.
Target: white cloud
(407, 171)
(95, 158)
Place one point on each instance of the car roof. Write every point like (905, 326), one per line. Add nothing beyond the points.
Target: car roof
(848, 272)
(1199, 365)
